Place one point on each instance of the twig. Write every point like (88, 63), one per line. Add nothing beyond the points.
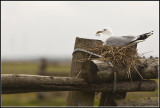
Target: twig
(78, 74)
(137, 71)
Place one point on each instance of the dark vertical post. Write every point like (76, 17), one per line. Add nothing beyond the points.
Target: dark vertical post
(42, 71)
(42, 67)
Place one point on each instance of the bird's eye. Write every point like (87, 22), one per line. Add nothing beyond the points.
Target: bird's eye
(104, 29)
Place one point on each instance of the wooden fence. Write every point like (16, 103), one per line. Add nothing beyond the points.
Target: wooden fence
(94, 77)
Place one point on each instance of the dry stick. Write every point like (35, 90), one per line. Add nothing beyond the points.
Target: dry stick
(78, 74)
(145, 53)
(130, 73)
(137, 71)
(89, 57)
(122, 48)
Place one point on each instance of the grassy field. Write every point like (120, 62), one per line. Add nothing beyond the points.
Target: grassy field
(50, 98)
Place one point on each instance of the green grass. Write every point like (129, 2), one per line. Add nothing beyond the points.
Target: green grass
(19, 68)
(31, 68)
(58, 69)
(51, 98)
(30, 99)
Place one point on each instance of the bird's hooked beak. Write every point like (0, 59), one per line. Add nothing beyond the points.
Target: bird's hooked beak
(98, 33)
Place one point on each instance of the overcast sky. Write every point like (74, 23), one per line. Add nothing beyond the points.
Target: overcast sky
(49, 28)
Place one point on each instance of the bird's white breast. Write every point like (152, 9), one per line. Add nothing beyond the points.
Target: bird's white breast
(104, 38)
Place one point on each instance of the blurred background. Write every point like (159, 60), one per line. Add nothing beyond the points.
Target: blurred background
(37, 37)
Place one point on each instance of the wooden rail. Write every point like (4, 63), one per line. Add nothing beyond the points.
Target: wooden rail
(22, 83)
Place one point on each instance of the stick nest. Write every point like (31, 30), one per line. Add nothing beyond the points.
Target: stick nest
(117, 55)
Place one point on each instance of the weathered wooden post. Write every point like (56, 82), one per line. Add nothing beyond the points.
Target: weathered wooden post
(42, 67)
(42, 71)
(80, 98)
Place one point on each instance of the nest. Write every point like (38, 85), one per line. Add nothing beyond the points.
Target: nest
(117, 55)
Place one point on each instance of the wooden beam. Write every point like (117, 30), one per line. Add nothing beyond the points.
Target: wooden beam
(100, 71)
(22, 83)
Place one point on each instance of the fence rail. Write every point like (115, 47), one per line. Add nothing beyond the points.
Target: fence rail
(22, 83)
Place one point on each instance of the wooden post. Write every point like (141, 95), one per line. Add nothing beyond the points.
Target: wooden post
(80, 98)
(42, 71)
(42, 67)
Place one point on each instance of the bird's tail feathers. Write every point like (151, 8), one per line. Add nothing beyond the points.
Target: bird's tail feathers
(144, 36)
(140, 38)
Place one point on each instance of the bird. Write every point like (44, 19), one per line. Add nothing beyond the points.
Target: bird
(128, 40)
